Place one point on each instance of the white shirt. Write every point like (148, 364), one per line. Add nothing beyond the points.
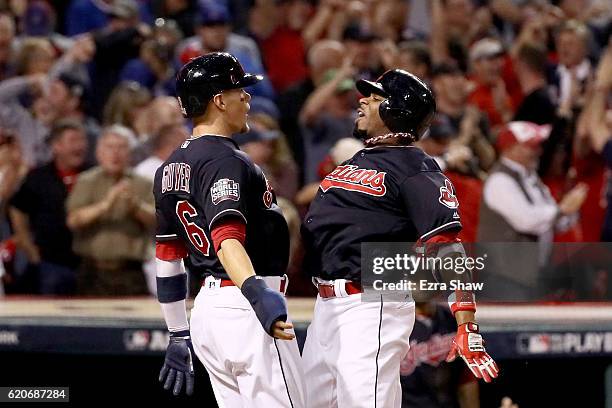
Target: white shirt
(583, 70)
(503, 195)
(148, 167)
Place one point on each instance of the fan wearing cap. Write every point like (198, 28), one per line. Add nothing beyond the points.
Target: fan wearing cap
(216, 207)
(496, 91)
(390, 191)
(214, 34)
(516, 205)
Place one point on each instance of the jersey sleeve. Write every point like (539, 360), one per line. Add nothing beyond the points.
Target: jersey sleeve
(165, 230)
(164, 214)
(431, 203)
(224, 190)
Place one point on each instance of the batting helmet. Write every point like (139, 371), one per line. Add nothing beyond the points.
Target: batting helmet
(206, 76)
(410, 105)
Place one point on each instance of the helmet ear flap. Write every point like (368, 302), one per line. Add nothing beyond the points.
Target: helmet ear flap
(384, 110)
(392, 117)
(195, 106)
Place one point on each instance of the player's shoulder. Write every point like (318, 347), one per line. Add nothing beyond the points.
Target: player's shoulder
(212, 149)
(90, 176)
(417, 161)
(407, 161)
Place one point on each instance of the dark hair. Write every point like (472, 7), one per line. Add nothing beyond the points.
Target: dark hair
(61, 126)
(419, 51)
(445, 68)
(534, 57)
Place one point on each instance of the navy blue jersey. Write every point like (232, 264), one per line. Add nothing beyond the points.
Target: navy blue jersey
(209, 179)
(382, 194)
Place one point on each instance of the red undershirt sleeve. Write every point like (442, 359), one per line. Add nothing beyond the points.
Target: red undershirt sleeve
(230, 228)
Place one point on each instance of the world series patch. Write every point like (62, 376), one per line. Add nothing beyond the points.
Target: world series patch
(225, 189)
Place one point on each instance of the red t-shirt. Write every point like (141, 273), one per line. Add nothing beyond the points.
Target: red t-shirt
(284, 57)
(469, 192)
(68, 177)
(482, 96)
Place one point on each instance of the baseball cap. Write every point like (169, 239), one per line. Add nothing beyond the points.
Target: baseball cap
(213, 14)
(526, 133)
(261, 105)
(124, 9)
(345, 148)
(346, 84)
(486, 48)
(39, 19)
(76, 85)
(441, 128)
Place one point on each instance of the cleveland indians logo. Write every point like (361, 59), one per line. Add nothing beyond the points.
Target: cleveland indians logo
(268, 196)
(447, 197)
(352, 178)
(431, 352)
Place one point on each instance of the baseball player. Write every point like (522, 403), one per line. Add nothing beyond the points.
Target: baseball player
(216, 210)
(389, 191)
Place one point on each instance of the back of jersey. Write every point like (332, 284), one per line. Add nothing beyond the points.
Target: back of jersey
(208, 180)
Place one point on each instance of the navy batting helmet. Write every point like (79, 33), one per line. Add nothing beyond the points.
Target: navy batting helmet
(206, 76)
(410, 105)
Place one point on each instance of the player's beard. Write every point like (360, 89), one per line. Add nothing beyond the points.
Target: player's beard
(360, 133)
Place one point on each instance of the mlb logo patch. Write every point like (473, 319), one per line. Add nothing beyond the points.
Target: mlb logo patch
(225, 189)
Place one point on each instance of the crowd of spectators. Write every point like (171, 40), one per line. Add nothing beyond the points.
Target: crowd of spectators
(87, 113)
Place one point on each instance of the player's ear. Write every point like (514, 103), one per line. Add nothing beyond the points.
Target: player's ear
(218, 101)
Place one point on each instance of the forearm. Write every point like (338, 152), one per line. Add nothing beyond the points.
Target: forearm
(23, 237)
(235, 261)
(85, 216)
(484, 151)
(439, 50)
(67, 63)
(145, 214)
(507, 10)
(468, 395)
(10, 89)
(172, 292)
(449, 250)
(316, 101)
(316, 27)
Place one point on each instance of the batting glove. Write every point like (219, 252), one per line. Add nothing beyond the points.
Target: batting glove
(178, 365)
(468, 345)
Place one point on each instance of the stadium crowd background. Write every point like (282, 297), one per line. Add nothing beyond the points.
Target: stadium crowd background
(87, 113)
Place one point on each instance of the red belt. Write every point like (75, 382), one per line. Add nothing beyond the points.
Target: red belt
(326, 290)
(229, 282)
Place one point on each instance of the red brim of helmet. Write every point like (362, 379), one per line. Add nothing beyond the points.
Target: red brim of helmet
(366, 88)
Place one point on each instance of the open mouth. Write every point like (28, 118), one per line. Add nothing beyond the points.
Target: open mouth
(360, 115)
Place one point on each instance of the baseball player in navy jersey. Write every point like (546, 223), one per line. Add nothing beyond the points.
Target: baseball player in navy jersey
(217, 211)
(389, 191)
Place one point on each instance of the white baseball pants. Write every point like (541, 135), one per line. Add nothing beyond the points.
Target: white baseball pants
(353, 352)
(247, 367)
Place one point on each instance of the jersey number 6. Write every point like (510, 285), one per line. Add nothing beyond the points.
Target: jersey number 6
(195, 233)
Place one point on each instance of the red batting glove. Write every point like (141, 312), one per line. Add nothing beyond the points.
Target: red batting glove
(468, 344)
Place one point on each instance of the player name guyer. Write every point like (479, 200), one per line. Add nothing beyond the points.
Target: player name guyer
(426, 285)
(175, 177)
